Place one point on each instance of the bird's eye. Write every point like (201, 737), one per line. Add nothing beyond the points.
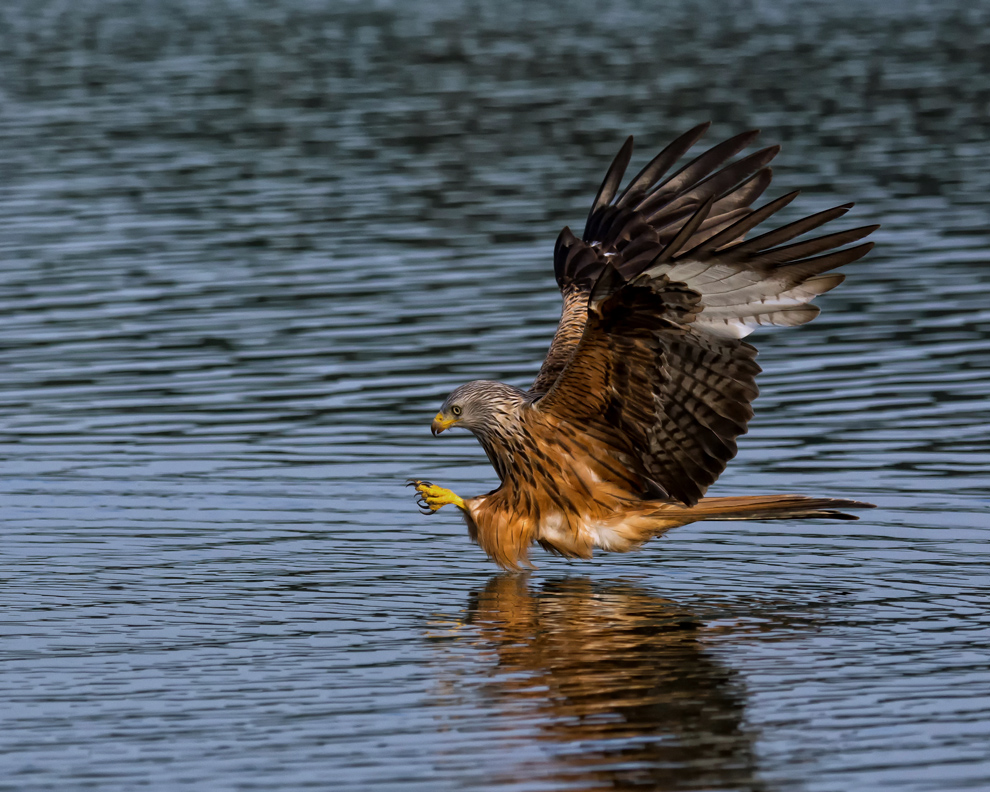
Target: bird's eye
(455, 410)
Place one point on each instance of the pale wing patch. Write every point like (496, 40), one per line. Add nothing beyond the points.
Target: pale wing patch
(736, 299)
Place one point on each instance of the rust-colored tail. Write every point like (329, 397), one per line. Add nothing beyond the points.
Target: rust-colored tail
(774, 507)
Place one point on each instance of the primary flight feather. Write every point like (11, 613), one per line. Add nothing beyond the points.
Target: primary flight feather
(648, 383)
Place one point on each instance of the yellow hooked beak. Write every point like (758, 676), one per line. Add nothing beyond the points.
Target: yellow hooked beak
(440, 423)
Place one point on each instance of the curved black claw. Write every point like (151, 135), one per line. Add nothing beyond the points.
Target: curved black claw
(424, 507)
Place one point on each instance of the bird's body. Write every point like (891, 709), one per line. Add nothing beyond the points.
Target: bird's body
(647, 383)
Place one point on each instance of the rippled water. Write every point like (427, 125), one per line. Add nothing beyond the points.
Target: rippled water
(248, 248)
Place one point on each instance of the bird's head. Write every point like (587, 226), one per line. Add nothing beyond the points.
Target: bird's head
(477, 406)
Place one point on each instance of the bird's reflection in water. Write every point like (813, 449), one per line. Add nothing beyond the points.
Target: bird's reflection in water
(618, 683)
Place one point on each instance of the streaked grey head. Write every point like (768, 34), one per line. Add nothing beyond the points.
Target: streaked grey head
(481, 406)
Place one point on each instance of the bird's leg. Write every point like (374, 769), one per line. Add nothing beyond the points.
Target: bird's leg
(432, 498)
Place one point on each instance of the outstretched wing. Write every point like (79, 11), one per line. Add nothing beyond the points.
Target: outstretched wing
(660, 369)
(630, 229)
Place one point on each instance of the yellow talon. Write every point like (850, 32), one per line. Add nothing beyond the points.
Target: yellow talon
(432, 497)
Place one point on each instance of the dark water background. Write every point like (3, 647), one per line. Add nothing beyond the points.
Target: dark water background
(246, 248)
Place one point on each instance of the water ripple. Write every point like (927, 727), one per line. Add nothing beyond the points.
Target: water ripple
(247, 249)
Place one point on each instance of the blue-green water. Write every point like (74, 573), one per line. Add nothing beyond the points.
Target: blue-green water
(246, 251)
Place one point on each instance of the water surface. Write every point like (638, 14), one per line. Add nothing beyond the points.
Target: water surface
(247, 250)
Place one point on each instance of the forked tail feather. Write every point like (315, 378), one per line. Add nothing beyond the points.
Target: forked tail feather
(774, 507)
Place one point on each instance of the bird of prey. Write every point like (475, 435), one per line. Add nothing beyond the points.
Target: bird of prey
(647, 382)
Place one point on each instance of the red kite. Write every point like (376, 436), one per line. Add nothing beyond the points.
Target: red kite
(648, 383)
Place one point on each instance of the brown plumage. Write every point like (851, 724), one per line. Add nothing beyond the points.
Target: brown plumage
(648, 383)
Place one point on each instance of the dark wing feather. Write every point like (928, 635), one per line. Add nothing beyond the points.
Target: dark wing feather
(613, 177)
(642, 381)
(660, 367)
(628, 229)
